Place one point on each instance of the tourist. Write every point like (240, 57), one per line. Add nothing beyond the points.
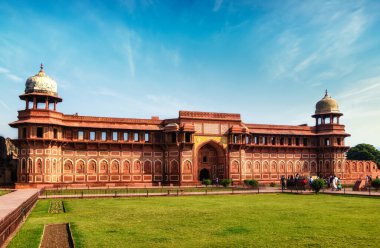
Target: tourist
(304, 182)
(339, 185)
(310, 182)
(334, 183)
(331, 179)
(291, 182)
(328, 181)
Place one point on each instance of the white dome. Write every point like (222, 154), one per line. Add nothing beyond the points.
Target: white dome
(41, 83)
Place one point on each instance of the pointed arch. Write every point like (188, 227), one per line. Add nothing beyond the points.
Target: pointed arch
(91, 166)
(115, 166)
(158, 166)
(126, 169)
(265, 166)
(235, 166)
(68, 166)
(136, 166)
(174, 166)
(29, 165)
(47, 166)
(80, 166)
(187, 166)
(298, 167)
(282, 166)
(313, 166)
(257, 166)
(54, 166)
(23, 165)
(103, 166)
(147, 169)
(290, 168)
(39, 166)
(248, 167)
(306, 166)
(273, 166)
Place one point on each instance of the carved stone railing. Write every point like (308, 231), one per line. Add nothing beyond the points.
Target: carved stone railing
(209, 115)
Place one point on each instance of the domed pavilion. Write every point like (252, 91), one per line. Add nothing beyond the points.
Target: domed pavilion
(41, 89)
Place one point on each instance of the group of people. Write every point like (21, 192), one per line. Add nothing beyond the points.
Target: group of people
(294, 182)
(300, 182)
(334, 183)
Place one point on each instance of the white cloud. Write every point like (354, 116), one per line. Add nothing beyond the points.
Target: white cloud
(10, 75)
(4, 105)
(105, 92)
(131, 62)
(359, 103)
(364, 86)
(327, 52)
(306, 62)
(217, 5)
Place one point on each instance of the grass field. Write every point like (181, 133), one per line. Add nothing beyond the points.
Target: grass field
(4, 191)
(270, 220)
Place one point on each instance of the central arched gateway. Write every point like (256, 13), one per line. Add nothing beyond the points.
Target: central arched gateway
(211, 161)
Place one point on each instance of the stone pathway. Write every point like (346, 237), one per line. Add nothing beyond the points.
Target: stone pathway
(11, 201)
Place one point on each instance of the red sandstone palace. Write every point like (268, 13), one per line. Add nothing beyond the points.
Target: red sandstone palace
(58, 149)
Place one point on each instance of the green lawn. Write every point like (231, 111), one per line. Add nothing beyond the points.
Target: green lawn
(275, 220)
(4, 191)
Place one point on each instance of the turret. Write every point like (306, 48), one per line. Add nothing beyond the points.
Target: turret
(40, 89)
(327, 111)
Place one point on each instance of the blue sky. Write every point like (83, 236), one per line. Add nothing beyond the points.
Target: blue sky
(270, 61)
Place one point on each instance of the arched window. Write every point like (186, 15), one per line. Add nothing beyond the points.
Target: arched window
(174, 167)
(126, 167)
(147, 167)
(23, 166)
(39, 166)
(157, 167)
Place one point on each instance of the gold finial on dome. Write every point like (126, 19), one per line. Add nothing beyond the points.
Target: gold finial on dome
(41, 73)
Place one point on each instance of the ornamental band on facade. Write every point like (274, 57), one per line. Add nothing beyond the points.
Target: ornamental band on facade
(55, 149)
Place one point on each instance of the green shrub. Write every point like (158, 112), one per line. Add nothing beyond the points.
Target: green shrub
(56, 207)
(226, 182)
(252, 183)
(272, 184)
(318, 184)
(376, 183)
(206, 182)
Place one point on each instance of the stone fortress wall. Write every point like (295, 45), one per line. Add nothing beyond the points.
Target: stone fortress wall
(55, 149)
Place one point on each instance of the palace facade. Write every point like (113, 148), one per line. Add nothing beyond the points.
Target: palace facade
(55, 149)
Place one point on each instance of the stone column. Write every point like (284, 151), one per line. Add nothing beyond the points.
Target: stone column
(34, 103)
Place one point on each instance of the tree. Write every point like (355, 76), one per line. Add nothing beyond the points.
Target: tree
(364, 152)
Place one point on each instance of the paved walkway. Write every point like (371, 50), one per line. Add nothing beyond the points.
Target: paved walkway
(11, 201)
(351, 192)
